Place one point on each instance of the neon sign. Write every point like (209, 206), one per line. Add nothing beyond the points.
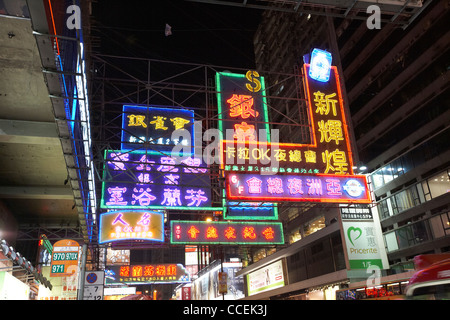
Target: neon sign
(131, 225)
(200, 232)
(243, 110)
(320, 65)
(319, 187)
(154, 126)
(265, 171)
(148, 273)
(329, 152)
(250, 211)
(149, 180)
(242, 105)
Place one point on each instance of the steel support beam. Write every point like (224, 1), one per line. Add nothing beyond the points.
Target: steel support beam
(28, 192)
(28, 132)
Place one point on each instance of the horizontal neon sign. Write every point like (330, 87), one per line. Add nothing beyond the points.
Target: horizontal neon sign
(235, 210)
(200, 232)
(131, 225)
(149, 273)
(154, 126)
(320, 188)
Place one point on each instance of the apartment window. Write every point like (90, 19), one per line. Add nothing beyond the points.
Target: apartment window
(405, 200)
(383, 209)
(295, 236)
(391, 241)
(293, 213)
(440, 225)
(411, 160)
(436, 185)
(314, 225)
(407, 236)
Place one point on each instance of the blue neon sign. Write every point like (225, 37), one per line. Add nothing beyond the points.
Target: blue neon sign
(320, 66)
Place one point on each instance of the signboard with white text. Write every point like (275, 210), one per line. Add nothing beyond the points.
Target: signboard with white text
(363, 239)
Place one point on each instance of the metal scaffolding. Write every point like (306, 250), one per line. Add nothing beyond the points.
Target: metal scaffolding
(118, 81)
(399, 12)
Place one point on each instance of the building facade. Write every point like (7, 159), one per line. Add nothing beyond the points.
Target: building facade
(397, 94)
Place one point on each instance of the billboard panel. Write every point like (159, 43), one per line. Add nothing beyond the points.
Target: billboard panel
(267, 278)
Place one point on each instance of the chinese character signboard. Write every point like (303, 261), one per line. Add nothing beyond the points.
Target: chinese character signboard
(148, 273)
(260, 170)
(329, 152)
(242, 106)
(363, 249)
(201, 232)
(320, 187)
(155, 126)
(131, 225)
(144, 180)
(243, 112)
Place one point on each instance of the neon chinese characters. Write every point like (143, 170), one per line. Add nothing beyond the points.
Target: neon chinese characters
(146, 180)
(152, 127)
(131, 225)
(147, 273)
(319, 187)
(200, 232)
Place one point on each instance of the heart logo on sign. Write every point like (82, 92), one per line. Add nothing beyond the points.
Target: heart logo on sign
(349, 234)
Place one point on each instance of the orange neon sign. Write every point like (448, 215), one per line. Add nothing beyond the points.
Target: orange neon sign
(329, 151)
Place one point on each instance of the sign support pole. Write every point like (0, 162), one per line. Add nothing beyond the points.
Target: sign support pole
(81, 273)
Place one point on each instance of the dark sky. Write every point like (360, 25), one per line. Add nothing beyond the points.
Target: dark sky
(201, 33)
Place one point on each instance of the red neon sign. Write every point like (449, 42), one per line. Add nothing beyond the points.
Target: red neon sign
(221, 232)
(148, 273)
(318, 188)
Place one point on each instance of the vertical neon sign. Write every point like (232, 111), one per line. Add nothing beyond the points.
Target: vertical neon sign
(242, 107)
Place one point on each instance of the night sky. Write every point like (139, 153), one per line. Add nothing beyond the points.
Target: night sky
(201, 33)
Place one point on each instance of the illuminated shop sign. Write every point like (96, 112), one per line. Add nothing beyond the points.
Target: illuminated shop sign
(201, 232)
(147, 273)
(319, 187)
(242, 106)
(235, 210)
(363, 238)
(243, 112)
(257, 170)
(131, 225)
(320, 65)
(329, 151)
(150, 180)
(363, 246)
(155, 126)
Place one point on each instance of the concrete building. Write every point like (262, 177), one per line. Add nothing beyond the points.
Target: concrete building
(396, 81)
